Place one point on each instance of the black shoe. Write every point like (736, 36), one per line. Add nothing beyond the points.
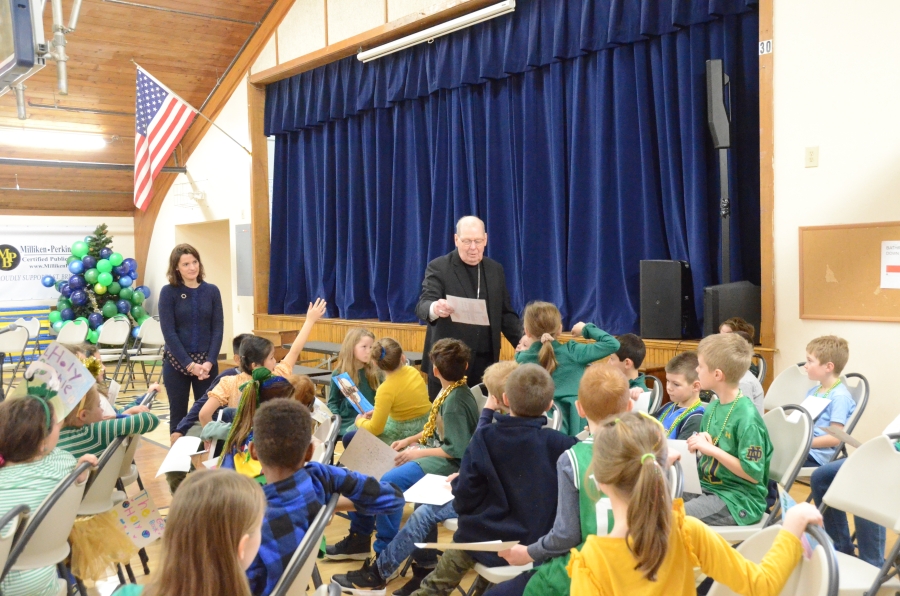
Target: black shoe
(419, 573)
(354, 546)
(366, 581)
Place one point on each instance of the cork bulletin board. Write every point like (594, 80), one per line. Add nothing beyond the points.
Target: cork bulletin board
(840, 273)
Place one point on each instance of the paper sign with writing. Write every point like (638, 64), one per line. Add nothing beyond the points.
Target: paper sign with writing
(63, 374)
(368, 455)
(140, 520)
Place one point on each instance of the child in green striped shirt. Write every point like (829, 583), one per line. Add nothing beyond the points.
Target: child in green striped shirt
(85, 431)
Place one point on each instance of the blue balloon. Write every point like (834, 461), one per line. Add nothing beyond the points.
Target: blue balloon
(67, 314)
(76, 282)
(135, 332)
(89, 261)
(57, 326)
(131, 264)
(124, 306)
(49, 281)
(125, 281)
(121, 270)
(105, 252)
(59, 284)
(79, 298)
(76, 266)
(87, 239)
(95, 320)
(65, 290)
(144, 290)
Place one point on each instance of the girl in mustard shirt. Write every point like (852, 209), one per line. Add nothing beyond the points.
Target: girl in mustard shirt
(653, 547)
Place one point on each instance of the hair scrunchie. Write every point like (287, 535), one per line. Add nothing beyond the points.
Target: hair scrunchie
(546, 337)
(2, 461)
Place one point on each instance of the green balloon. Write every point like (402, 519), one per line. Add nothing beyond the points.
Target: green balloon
(109, 309)
(142, 319)
(104, 266)
(114, 288)
(126, 293)
(63, 304)
(83, 320)
(80, 248)
(64, 323)
(116, 259)
(104, 279)
(91, 276)
(137, 312)
(93, 335)
(54, 316)
(137, 298)
(70, 259)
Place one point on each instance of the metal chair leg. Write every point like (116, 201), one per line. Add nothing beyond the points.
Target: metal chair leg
(316, 576)
(130, 572)
(144, 560)
(121, 574)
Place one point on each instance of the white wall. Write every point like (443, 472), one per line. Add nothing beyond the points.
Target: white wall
(836, 87)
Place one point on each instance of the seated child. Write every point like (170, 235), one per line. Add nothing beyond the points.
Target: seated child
(208, 559)
(628, 359)
(733, 443)
(259, 352)
(681, 417)
(296, 488)
(504, 489)
(603, 392)
(372, 578)
(654, 547)
(749, 384)
(401, 401)
(355, 359)
(826, 357)
(31, 466)
(438, 449)
(564, 361)
(739, 325)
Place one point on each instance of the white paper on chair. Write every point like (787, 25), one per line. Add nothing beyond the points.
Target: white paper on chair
(369, 455)
(108, 410)
(114, 388)
(688, 466)
(320, 412)
(812, 404)
(430, 490)
(840, 434)
(469, 311)
(893, 427)
(492, 546)
(642, 403)
(179, 457)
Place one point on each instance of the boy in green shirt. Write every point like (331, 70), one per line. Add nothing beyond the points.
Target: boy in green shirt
(733, 443)
(628, 359)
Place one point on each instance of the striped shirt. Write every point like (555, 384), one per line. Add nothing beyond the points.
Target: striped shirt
(94, 438)
(29, 484)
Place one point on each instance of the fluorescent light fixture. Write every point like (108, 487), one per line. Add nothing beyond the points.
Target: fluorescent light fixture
(51, 139)
(431, 33)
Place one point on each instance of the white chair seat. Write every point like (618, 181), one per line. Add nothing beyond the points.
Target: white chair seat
(97, 508)
(10, 365)
(131, 477)
(451, 524)
(739, 533)
(146, 358)
(856, 577)
(46, 558)
(497, 575)
(110, 357)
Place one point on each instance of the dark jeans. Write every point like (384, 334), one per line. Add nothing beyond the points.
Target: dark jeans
(348, 436)
(178, 389)
(474, 373)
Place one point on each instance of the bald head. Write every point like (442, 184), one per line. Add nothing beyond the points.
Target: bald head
(470, 238)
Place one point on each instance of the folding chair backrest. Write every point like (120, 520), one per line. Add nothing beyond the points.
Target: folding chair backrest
(817, 576)
(100, 487)
(295, 579)
(15, 517)
(858, 386)
(115, 332)
(151, 333)
(45, 540)
(32, 325)
(791, 441)
(656, 394)
(14, 342)
(479, 391)
(132, 444)
(73, 333)
(554, 417)
(762, 367)
(324, 431)
(788, 388)
(868, 483)
(331, 440)
(676, 480)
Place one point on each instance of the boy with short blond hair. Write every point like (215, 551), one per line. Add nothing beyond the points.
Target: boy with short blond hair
(494, 380)
(681, 417)
(826, 358)
(733, 442)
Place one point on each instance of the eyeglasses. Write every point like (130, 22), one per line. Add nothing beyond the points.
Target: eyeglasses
(467, 242)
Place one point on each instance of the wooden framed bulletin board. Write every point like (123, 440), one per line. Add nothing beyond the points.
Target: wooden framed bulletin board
(840, 272)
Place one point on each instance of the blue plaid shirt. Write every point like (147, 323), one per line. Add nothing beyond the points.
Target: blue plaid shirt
(295, 501)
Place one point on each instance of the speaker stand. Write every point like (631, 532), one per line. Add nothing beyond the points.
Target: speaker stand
(725, 214)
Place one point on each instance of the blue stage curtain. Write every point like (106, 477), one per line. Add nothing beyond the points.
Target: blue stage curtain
(577, 130)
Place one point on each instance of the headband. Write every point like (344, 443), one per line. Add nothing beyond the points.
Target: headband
(46, 407)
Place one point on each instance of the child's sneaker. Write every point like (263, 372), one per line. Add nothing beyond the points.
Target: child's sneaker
(419, 574)
(362, 582)
(354, 546)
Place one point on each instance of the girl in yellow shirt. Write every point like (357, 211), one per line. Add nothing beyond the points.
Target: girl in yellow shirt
(653, 547)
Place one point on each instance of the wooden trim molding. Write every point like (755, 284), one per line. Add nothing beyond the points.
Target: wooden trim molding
(259, 197)
(767, 179)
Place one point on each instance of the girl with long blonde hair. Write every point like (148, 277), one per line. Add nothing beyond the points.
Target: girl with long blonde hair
(355, 359)
(653, 547)
(564, 361)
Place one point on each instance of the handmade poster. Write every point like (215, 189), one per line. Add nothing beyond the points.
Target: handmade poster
(890, 264)
(369, 455)
(430, 490)
(140, 519)
(491, 546)
(352, 393)
(59, 376)
(469, 311)
(688, 466)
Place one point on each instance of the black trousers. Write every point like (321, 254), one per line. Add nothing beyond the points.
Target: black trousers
(178, 389)
(476, 371)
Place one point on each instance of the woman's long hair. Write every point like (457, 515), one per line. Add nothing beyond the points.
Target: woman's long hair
(210, 513)
(348, 363)
(541, 318)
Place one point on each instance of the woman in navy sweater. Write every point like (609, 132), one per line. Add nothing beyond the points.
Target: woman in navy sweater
(191, 317)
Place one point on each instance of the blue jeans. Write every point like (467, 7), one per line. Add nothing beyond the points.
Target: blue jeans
(348, 436)
(421, 523)
(387, 526)
(870, 537)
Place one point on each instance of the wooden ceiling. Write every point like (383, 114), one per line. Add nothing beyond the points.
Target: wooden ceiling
(188, 53)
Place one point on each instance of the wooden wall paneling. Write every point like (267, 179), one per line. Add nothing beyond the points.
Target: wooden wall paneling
(259, 197)
(767, 180)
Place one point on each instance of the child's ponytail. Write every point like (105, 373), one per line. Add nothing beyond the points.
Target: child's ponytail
(543, 322)
(547, 357)
(649, 516)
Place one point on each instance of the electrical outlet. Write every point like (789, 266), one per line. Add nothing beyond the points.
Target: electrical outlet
(811, 157)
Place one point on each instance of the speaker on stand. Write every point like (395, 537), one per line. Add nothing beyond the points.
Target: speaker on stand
(667, 300)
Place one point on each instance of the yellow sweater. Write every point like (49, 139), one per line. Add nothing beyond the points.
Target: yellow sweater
(605, 566)
(228, 390)
(403, 396)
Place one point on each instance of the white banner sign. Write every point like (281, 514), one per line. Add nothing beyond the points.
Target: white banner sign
(27, 254)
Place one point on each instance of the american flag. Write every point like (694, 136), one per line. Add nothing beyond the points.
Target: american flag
(161, 119)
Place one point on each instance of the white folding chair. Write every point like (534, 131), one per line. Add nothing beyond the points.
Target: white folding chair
(762, 367)
(656, 394)
(149, 348)
(479, 391)
(676, 480)
(867, 486)
(817, 576)
(12, 344)
(326, 448)
(788, 388)
(791, 440)
(101, 495)
(33, 326)
(554, 417)
(16, 518)
(114, 332)
(73, 333)
(295, 579)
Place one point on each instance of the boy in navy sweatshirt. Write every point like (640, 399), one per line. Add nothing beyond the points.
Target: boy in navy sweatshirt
(507, 479)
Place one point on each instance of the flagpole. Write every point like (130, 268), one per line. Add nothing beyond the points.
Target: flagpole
(196, 111)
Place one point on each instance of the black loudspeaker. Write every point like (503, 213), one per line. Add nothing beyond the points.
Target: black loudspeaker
(667, 300)
(738, 299)
(716, 115)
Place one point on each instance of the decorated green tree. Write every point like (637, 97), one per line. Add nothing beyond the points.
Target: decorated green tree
(100, 240)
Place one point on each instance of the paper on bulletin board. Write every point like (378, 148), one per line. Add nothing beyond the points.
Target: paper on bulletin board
(140, 519)
(890, 264)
